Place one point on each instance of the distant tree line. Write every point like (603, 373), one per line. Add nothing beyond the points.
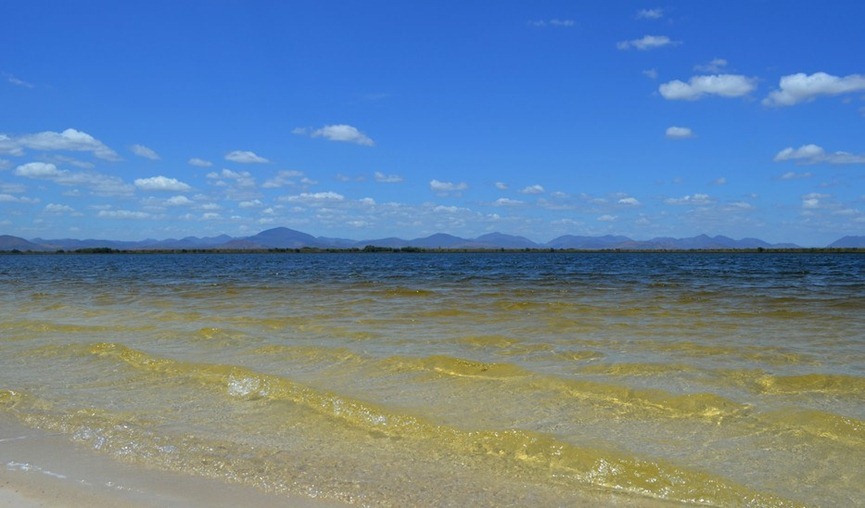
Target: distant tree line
(408, 249)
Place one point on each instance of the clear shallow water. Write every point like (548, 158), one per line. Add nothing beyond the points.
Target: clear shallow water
(454, 379)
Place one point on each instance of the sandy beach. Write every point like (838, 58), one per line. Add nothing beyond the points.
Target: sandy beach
(38, 469)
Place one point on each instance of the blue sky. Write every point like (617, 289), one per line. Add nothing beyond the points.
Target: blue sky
(363, 120)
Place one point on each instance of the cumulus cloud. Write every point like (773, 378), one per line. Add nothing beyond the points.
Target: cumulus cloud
(315, 197)
(508, 202)
(675, 132)
(39, 170)
(123, 214)
(68, 140)
(555, 22)
(651, 73)
(650, 13)
(533, 189)
(56, 208)
(724, 85)
(695, 199)
(161, 183)
(738, 206)
(245, 157)
(10, 146)
(647, 42)
(444, 187)
(236, 185)
(383, 178)
(715, 66)
(607, 218)
(143, 151)
(9, 198)
(201, 163)
(283, 178)
(813, 201)
(178, 201)
(340, 132)
(286, 177)
(629, 201)
(814, 154)
(501, 186)
(800, 87)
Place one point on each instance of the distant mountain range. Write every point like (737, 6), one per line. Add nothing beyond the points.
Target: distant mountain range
(285, 238)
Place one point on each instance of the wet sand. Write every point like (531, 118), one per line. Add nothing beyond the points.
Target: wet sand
(39, 469)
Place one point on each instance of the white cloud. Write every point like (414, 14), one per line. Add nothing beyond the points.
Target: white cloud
(245, 157)
(629, 201)
(438, 186)
(675, 132)
(720, 181)
(812, 201)
(738, 206)
(161, 183)
(814, 154)
(241, 178)
(650, 13)
(282, 178)
(201, 163)
(383, 178)
(143, 151)
(18, 82)
(533, 189)
(8, 198)
(791, 175)
(39, 170)
(71, 161)
(68, 140)
(695, 199)
(315, 197)
(607, 218)
(123, 214)
(448, 209)
(339, 132)
(100, 184)
(724, 85)
(647, 42)
(508, 202)
(651, 73)
(255, 203)
(15, 188)
(715, 66)
(178, 201)
(501, 186)
(55, 208)
(796, 88)
(9, 146)
(555, 22)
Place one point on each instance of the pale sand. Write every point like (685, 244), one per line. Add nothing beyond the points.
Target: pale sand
(38, 469)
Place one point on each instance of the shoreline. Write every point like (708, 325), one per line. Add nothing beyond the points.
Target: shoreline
(423, 250)
(40, 469)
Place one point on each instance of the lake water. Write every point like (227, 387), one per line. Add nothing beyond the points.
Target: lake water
(454, 379)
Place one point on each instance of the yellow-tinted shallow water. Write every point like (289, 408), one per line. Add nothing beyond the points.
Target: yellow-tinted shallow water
(443, 393)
